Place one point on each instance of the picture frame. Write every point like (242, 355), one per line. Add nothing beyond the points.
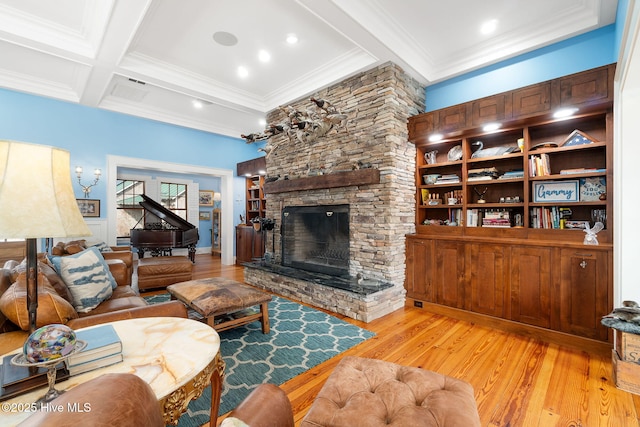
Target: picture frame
(205, 216)
(89, 207)
(556, 191)
(206, 197)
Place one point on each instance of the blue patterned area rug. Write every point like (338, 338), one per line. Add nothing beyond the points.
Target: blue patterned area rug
(300, 339)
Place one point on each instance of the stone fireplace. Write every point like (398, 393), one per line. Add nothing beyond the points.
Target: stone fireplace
(316, 238)
(362, 172)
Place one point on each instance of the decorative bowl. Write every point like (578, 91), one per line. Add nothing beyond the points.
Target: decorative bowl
(430, 179)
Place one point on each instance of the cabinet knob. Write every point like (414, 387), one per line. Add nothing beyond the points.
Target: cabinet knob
(583, 264)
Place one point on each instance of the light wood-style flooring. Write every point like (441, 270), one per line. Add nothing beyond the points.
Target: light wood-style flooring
(518, 380)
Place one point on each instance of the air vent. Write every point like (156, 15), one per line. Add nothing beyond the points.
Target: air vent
(128, 92)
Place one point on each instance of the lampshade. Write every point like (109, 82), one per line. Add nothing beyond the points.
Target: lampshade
(36, 194)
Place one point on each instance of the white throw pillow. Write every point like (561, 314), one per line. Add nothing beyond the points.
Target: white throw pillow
(88, 278)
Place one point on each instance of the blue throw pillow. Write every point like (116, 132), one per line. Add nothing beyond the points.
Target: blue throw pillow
(87, 276)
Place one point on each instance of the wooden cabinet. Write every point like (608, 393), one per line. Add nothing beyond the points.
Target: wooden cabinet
(486, 270)
(531, 285)
(248, 244)
(449, 273)
(500, 213)
(419, 278)
(585, 292)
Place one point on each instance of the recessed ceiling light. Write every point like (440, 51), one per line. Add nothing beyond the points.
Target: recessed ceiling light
(565, 112)
(262, 122)
(489, 26)
(197, 104)
(224, 38)
(243, 71)
(264, 56)
(292, 38)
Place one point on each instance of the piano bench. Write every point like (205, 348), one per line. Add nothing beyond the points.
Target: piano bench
(161, 271)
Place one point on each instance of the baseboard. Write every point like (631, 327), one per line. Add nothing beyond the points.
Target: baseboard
(554, 337)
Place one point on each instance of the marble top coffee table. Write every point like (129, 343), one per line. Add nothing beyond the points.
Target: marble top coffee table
(177, 357)
(219, 296)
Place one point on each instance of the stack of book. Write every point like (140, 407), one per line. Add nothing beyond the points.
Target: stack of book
(103, 348)
(17, 380)
(514, 174)
(448, 179)
(483, 174)
(496, 219)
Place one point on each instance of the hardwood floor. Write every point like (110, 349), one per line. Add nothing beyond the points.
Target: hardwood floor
(518, 380)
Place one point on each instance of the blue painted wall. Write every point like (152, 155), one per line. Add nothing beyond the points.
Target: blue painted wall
(90, 134)
(590, 50)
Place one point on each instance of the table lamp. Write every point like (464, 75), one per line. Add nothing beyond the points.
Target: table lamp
(36, 201)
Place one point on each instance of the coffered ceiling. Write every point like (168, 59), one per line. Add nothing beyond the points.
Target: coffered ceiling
(153, 58)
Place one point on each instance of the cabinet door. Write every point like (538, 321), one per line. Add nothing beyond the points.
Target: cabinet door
(248, 244)
(420, 269)
(530, 100)
(486, 273)
(449, 274)
(584, 292)
(531, 282)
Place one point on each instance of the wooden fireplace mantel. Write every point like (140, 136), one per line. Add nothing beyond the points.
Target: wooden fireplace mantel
(333, 180)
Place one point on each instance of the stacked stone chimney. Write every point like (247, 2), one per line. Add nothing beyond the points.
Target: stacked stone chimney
(377, 104)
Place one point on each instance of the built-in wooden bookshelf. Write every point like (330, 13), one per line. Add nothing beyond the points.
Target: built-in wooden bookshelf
(500, 214)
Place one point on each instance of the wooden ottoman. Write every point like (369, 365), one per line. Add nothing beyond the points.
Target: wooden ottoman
(219, 296)
(160, 271)
(369, 392)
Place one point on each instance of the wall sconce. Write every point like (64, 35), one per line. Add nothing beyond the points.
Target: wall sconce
(87, 188)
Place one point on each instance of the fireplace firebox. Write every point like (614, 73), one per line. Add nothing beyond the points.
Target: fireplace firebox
(316, 238)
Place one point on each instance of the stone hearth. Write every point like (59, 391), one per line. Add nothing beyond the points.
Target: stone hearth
(368, 165)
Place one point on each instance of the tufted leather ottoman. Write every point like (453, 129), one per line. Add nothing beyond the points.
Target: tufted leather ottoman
(161, 271)
(369, 393)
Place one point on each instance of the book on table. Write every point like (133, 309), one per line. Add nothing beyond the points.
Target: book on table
(96, 363)
(102, 341)
(17, 380)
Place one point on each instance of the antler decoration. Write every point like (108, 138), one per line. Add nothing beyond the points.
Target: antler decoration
(307, 126)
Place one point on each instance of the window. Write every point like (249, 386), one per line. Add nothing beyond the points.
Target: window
(174, 197)
(129, 211)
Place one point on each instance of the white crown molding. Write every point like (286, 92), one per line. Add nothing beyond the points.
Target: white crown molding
(171, 117)
(41, 87)
(341, 67)
(84, 41)
(150, 69)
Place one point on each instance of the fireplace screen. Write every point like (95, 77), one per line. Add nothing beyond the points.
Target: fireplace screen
(316, 238)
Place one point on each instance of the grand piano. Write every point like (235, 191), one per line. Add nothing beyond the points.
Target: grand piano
(171, 232)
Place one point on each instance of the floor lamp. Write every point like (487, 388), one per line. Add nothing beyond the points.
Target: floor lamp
(36, 201)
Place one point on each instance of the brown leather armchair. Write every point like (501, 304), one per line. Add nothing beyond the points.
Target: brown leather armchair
(266, 406)
(123, 400)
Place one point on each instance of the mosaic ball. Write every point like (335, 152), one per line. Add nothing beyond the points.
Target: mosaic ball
(48, 343)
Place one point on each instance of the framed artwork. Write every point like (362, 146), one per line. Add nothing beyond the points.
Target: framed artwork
(206, 197)
(89, 207)
(555, 191)
(205, 216)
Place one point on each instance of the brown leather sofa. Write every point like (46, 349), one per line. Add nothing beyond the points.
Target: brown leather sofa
(125, 303)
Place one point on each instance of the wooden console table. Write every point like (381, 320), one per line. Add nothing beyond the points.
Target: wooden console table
(177, 357)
